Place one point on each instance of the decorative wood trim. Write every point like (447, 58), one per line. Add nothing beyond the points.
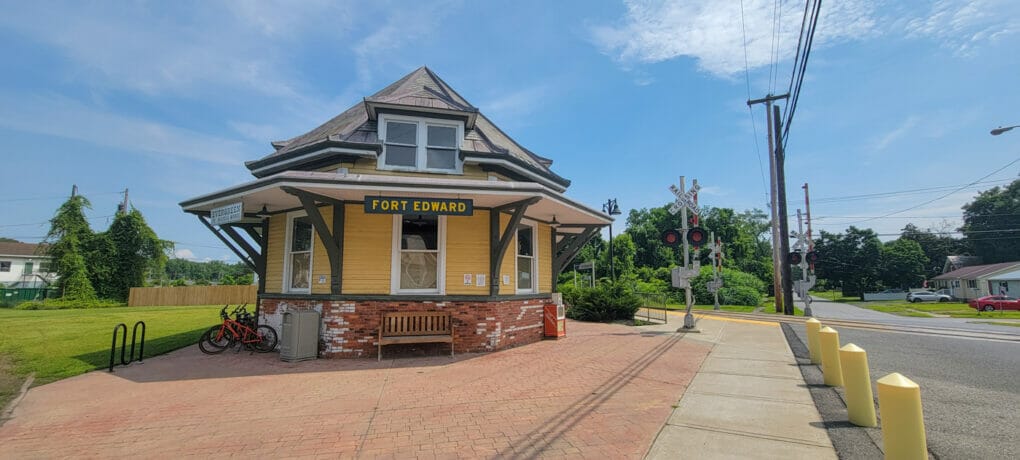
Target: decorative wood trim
(569, 247)
(329, 241)
(499, 241)
(247, 261)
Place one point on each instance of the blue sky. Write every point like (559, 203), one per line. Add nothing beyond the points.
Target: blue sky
(168, 99)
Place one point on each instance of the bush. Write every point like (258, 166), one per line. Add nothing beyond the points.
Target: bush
(65, 304)
(604, 303)
(739, 288)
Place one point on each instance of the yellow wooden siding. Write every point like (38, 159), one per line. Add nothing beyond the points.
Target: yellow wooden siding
(509, 266)
(274, 253)
(320, 258)
(467, 252)
(368, 241)
(544, 258)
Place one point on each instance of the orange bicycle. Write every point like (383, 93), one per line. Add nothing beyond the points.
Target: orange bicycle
(240, 331)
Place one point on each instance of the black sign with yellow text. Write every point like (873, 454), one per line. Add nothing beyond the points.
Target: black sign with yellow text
(424, 206)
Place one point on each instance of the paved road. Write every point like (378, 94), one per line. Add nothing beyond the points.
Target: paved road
(970, 388)
(825, 309)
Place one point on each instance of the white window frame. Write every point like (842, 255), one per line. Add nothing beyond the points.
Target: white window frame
(422, 143)
(287, 252)
(534, 258)
(395, 260)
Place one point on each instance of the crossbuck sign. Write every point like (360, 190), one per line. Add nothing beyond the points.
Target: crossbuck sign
(684, 199)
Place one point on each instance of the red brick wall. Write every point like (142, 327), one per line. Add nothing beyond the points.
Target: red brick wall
(350, 329)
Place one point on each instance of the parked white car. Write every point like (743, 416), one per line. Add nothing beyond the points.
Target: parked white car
(920, 296)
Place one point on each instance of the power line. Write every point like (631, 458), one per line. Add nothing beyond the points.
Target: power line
(939, 197)
(754, 124)
(795, 96)
(903, 192)
(61, 197)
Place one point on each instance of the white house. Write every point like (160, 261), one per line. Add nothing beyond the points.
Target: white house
(25, 265)
(981, 280)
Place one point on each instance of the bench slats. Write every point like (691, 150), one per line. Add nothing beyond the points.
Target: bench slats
(415, 327)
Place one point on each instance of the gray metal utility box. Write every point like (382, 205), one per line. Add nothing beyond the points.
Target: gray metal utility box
(300, 339)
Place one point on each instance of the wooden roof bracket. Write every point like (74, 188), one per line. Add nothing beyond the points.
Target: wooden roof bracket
(333, 242)
(500, 241)
(237, 245)
(568, 248)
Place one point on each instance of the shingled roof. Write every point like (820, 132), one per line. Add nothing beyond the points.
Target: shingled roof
(21, 249)
(420, 91)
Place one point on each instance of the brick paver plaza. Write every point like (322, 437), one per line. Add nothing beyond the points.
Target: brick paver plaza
(604, 391)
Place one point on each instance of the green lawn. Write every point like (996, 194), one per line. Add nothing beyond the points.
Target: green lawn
(732, 308)
(57, 344)
(933, 309)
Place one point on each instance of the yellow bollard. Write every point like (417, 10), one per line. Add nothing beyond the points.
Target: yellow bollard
(813, 325)
(899, 400)
(860, 403)
(828, 342)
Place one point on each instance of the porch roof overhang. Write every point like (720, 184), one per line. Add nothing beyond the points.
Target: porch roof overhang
(269, 192)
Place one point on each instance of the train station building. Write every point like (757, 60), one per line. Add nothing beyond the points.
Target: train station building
(411, 200)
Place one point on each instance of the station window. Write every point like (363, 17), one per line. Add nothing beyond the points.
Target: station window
(419, 257)
(525, 259)
(420, 144)
(299, 257)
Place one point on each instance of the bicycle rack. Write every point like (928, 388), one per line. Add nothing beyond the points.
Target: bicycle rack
(123, 344)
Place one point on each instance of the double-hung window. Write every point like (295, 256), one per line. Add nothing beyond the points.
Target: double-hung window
(525, 259)
(299, 254)
(420, 144)
(418, 254)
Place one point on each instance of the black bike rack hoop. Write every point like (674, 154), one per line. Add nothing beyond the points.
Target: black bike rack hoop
(123, 344)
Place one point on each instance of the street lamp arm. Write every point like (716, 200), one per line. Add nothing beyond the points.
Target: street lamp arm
(1002, 129)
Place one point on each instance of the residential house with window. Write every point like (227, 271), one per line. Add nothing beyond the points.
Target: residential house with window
(25, 265)
(976, 281)
(411, 200)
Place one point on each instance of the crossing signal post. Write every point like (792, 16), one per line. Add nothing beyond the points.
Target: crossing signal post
(686, 200)
(806, 264)
(716, 283)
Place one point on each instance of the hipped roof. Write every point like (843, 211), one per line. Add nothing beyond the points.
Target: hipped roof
(419, 91)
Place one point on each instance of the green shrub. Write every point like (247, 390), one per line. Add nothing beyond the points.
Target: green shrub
(604, 303)
(739, 288)
(65, 304)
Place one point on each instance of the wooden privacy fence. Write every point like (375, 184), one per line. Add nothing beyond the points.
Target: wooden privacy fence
(192, 295)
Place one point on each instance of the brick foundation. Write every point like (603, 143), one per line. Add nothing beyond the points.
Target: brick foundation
(350, 328)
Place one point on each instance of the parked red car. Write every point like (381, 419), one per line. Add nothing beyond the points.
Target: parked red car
(995, 302)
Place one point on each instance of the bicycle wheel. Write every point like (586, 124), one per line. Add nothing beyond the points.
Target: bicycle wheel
(212, 342)
(269, 338)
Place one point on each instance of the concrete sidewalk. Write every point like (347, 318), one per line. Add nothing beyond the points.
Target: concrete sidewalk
(748, 400)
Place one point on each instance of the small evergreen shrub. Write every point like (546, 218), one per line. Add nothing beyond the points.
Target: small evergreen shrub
(604, 303)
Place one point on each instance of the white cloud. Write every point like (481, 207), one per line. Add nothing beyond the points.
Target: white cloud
(62, 117)
(712, 32)
(184, 254)
(962, 25)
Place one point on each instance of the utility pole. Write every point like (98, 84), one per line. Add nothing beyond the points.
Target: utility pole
(784, 225)
(811, 249)
(777, 271)
(124, 205)
(74, 190)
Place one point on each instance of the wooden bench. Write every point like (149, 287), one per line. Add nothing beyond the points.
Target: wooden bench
(415, 327)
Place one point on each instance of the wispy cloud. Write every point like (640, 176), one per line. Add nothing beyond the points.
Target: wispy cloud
(712, 32)
(59, 116)
(963, 25)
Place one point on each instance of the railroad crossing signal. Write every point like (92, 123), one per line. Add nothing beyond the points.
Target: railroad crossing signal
(688, 199)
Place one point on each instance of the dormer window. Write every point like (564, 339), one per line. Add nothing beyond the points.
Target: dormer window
(420, 144)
